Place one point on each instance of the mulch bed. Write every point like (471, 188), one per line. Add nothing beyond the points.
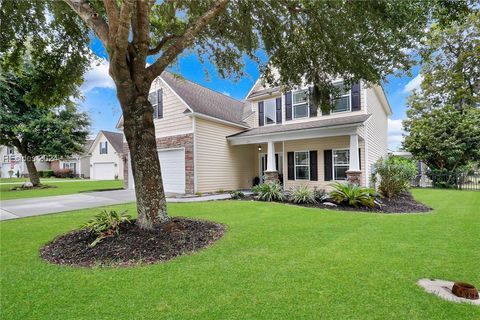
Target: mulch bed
(404, 203)
(133, 246)
(42, 186)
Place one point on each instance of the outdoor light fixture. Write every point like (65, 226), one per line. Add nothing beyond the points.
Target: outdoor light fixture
(259, 148)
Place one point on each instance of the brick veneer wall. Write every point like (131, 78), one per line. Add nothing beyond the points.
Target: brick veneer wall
(178, 141)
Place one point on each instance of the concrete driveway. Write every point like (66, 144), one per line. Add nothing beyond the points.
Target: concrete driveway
(20, 208)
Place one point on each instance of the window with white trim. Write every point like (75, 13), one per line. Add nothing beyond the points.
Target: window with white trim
(270, 111)
(70, 165)
(342, 101)
(300, 104)
(302, 165)
(103, 147)
(10, 150)
(341, 163)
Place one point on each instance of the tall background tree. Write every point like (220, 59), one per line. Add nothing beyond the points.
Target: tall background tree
(304, 40)
(56, 131)
(443, 118)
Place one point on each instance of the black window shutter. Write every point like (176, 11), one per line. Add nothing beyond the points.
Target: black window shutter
(291, 165)
(106, 147)
(312, 106)
(160, 103)
(288, 105)
(313, 165)
(279, 109)
(261, 117)
(360, 158)
(327, 159)
(356, 97)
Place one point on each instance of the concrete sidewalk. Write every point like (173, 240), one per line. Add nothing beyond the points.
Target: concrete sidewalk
(20, 208)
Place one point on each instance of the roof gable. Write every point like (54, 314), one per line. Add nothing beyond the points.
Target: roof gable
(115, 139)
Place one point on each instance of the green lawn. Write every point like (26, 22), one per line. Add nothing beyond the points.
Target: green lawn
(275, 262)
(63, 186)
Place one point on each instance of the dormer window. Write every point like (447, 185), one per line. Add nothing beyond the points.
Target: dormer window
(300, 104)
(342, 102)
(270, 111)
(103, 147)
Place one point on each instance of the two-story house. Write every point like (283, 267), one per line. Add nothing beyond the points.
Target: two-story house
(106, 156)
(12, 161)
(208, 141)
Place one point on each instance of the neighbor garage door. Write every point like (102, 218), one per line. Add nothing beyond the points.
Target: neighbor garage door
(103, 171)
(172, 163)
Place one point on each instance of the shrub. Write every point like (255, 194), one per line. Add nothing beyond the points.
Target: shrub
(395, 175)
(45, 173)
(319, 194)
(270, 191)
(106, 224)
(63, 173)
(237, 195)
(302, 194)
(353, 194)
(221, 191)
(198, 194)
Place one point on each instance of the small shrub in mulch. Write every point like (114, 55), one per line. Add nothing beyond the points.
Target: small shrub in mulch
(404, 203)
(133, 246)
(42, 186)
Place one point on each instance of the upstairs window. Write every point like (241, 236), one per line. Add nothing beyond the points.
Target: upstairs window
(300, 104)
(156, 99)
(341, 163)
(341, 102)
(10, 150)
(103, 147)
(270, 111)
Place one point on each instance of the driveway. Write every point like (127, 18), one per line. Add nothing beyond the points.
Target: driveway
(20, 208)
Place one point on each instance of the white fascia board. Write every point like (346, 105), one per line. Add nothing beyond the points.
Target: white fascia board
(206, 117)
(295, 135)
(176, 95)
(95, 142)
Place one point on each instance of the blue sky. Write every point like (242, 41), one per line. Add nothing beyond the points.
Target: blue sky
(102, 105)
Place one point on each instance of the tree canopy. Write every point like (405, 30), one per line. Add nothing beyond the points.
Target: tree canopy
(443, 118)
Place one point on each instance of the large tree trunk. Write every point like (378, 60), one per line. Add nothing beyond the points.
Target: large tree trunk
(140, 134)
(32, 170)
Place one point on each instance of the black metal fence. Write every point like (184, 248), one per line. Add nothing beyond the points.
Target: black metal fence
(460, 181)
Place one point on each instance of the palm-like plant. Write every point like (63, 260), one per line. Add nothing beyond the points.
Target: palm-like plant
(303, 194)
(106, 224)
(353, 195)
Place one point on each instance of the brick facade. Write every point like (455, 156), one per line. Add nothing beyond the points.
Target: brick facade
(171, 142)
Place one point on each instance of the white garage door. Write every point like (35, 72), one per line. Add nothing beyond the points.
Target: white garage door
(104, 171)
(172, 163)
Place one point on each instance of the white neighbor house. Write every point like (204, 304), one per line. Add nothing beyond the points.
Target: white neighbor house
(106, 156)
(11, 159)
(209, 141)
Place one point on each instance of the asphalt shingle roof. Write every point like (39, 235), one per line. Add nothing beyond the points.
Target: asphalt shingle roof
(322, 123)
(206, 101)
(116, 140)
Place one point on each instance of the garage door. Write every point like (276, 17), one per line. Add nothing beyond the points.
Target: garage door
(172, 163)
(103, 171)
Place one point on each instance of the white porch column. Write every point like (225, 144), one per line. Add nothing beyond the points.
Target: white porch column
(354, 175)
(354, 163)
(271, 157)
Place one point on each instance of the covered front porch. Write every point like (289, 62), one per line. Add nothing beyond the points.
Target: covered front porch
(308, 157)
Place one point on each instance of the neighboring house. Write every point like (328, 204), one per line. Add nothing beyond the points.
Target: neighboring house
(208, 141)
(106, 156)
(78, 163)
(11, 159)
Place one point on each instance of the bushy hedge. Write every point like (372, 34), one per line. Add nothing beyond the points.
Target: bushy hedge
(395, 175)
(63, 173)
(45, 173)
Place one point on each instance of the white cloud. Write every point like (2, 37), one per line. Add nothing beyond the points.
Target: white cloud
(395, 134)
(414, 84)
(226, 93)
(97, 77)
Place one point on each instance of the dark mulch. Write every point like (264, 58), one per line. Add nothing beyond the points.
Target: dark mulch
(42, 186)
(404, 203)
(132, 245)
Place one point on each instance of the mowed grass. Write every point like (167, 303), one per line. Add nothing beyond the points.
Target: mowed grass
(275, 262)
(65, 186)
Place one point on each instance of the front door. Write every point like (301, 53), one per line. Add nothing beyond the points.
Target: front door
(263, 164)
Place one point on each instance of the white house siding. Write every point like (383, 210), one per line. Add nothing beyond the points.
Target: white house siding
(319, 144)
(376, 130)
(111, 157)
(218, 164)
(174, 121)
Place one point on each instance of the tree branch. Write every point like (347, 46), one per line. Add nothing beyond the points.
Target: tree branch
(91, 18)
(160, 45)
(112, 14)
(124, 25)
(185, 40)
